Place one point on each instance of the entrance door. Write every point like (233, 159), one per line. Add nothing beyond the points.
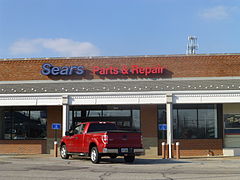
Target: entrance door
(231, 130)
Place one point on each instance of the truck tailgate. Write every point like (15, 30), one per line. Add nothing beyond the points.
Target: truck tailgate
(120, 139)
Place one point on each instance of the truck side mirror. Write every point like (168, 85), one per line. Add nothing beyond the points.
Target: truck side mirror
(67, 133)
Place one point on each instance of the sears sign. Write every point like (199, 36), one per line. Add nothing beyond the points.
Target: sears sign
(48, 69)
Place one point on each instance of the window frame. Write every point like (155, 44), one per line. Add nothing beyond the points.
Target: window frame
(11, 111)
(128, 121)
(176, 107)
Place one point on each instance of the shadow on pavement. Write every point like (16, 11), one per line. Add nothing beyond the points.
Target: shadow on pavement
(159, 161)
(136, 162)
(104, 160)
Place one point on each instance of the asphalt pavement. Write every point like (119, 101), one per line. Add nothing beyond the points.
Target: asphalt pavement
(44, 167)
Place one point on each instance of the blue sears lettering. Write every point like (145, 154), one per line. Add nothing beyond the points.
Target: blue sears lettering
(46, 69)
(49, 69)
(80, 70)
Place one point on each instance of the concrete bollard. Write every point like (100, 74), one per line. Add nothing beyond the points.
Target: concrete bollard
(55, 149)
(163, 150)
(177, 150)
(172, 150)
(167, 151)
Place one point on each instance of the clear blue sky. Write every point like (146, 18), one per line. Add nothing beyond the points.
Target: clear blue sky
(52, 28)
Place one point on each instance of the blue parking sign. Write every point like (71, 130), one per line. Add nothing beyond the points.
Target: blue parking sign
(56, 126)
(162, 127)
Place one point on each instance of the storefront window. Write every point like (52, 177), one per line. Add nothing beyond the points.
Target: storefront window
(190, 121)
(23, 124)
(118, 113)
(136, 119)
(232, 124)
(126, 117)
(232, 121)
(162, 122)
(93, 113)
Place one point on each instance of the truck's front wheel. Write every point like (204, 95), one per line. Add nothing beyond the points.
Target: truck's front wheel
(94, 155)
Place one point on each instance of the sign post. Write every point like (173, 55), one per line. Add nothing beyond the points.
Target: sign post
(56, 127)
(163, 129)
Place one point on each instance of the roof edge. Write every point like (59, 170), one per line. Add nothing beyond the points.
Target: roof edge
(116, 57)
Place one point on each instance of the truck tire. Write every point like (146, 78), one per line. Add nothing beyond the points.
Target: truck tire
(63, 152)
(129, 159)
(94, 155)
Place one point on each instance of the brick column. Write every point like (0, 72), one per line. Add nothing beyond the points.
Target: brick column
(149, 129)
(54, 116)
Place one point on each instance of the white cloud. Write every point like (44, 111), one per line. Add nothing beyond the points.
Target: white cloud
(61, 46)
(218, 12)
(24, 47)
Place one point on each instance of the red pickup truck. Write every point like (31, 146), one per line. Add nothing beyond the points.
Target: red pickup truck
(97, 139)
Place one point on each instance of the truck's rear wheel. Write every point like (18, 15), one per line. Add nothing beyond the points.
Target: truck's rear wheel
(94, 155)
(129, 159)
(63, 152)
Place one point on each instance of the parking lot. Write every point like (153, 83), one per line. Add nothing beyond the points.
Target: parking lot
(35, 167)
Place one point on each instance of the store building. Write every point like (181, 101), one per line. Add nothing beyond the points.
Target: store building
(196, 96)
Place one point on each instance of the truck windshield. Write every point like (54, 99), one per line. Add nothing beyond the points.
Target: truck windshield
(101, 127)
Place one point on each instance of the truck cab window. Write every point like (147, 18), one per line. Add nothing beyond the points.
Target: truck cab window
(79, 129)
(101, 127)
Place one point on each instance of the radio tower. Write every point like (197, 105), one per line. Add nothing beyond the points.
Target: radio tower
(192, 45)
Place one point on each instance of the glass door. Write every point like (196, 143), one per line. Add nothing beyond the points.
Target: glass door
(231, 130)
